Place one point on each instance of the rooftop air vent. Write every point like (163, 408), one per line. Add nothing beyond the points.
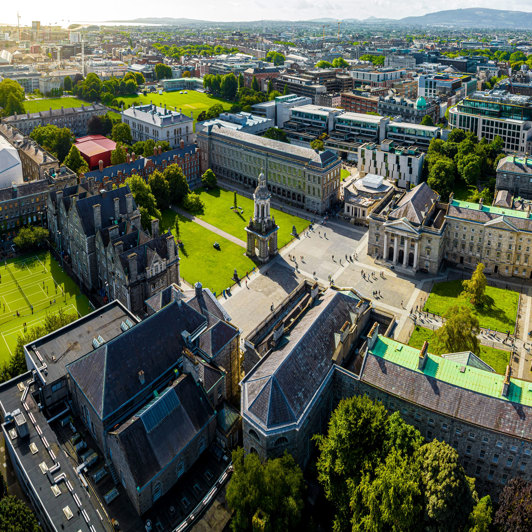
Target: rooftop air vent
(97, 342)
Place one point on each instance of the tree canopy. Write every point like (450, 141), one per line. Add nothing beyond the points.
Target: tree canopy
(57, 141)
(16, 516)
(208, 179)
(144, 199)
(75, 161)
(268, 495)
(11, 97)
(475, 288)
(31, 237)
(515, 503)
(121, 133)
(458, 332)
(276, 134)
(163, 71)
(275, 57)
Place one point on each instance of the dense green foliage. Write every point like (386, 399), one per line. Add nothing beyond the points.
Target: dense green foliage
(121, 132)
(163, 71)
(144, 199)
(93, 89)
(317, 144)
(276, 134)
(208, 179)
(377, 60)
(101, 125)
(31, 237)
(275, 57)
(75, 161)
(458, 332)
(147, 147)
(119, 154)
(11, 97)
(204, 50)
(379, 475)
(475, 288)
(16, 516)
(515, 507)
(265, 496)
(57, 141)
(462, 159)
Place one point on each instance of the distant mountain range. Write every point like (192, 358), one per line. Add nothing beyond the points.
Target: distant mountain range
(458, 18)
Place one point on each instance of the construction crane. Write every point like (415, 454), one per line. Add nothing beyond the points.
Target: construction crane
(339, 22)
(18, 24)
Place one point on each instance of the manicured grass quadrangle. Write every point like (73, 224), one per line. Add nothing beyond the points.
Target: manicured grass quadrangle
(218, 212)
(39, 281)
(498, 314)
(200, 261)
(35, 106)
(498, 359)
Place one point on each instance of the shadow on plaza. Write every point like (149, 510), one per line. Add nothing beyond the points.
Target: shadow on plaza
(281, 273)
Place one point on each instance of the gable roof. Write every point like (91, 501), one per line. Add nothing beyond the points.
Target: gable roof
(156, 435)
(415, 204)
(281, 386)
(109, 375)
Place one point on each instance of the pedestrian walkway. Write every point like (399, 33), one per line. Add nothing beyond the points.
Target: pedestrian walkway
(210, 227)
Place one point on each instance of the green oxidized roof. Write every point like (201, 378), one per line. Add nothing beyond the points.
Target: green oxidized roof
(491, 209)
(468, 377)
(421, 103)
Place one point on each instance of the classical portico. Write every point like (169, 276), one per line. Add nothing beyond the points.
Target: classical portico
(401, 248)
(262, 230)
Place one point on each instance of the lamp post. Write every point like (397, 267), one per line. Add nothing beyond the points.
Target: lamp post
(60, 248)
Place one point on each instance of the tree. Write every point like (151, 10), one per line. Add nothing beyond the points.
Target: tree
(469, 167)
(163, 71)
(57, 141)
(447, 491)
(229, 86)
(67, 83)
(275, 57)
(456, 135)
(177, 182)
(286, 90)
(441, 176)
(340, 62)
(94, 125)
(317, 144)
(214, 111)
(276, 134)
(208, 179)
(481, 516)
(75, 161)
(274, 94)
(323, 64)
(515, 502)
(16, 516)
(240, 80)
(160, 189)
(13, 106)
(121, 133)
(255, 84)
(269, 492)
(270, 87)
(139, 78)
(9, 87)
(475, 288)
(119, 154)
(202, 116)
(193, 203)
(144, 199)
(427, 121)
(458, 333)
(186, 74)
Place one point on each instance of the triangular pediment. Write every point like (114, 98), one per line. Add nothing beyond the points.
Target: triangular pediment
(401, 225)
(501, 222)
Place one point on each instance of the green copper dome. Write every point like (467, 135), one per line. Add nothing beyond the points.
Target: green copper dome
(421, 103)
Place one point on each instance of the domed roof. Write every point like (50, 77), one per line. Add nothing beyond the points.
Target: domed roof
(421, 103)
(262, 192)
(10, 165)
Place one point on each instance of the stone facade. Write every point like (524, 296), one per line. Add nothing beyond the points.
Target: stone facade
(514, 174)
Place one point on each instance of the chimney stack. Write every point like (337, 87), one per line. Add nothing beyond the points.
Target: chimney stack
(506, 382)
(129, 203)
(100, 165)
(372, 336)
(198, 289)
(154, 227)
(128, 158)
(181, 143)
(119, 247)
(422, 361)
(170, 248)
(97, 212)
(132, 266)
(159, 149)
(155, 150)
(117, 207)
(480, 204)
(133, 156)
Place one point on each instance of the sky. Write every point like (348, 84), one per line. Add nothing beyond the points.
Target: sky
(64, 12)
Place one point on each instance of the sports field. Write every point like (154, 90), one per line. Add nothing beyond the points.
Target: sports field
(193, 101)
(31, 287)
(34, 106)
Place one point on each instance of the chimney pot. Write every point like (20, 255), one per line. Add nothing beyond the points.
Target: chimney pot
(423, 356)
(100, 165)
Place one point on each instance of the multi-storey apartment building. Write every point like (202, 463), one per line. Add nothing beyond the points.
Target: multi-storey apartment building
(444, 84)
(296, 176)
(376, 78)
(393, 161)
(75, 118)
(496, 113)
(297, 84)
(280, 108)
(359, 102)
(159, 123)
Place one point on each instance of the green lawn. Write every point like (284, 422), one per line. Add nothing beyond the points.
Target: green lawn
(499, 314)
(218, 212)
(344, 174)
(34, 106)
(200, 261)
(498, 359)
(193, 101)
(37, 277)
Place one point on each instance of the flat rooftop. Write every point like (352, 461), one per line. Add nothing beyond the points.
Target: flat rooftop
(64, 346)
(451, 372)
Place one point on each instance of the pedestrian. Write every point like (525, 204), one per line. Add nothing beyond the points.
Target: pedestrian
(246, 284)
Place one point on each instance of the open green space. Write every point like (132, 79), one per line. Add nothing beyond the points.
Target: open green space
(193, 101)
(344, 174)
(498, 359)
(218, 212)
(200, 261)
(38, 281)
(499, 313)
(35, 106)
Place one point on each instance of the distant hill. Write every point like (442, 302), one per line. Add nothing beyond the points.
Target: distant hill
(474, 17)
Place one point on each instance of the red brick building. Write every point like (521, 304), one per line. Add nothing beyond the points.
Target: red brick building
(96, 148)
(359, 103)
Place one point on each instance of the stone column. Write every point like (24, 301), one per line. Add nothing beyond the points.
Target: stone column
(415, 254)
(385, 252)
(405, 255)
(395, 248)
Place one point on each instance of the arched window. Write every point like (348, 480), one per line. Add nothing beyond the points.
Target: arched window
(280, 441)
(253, 434)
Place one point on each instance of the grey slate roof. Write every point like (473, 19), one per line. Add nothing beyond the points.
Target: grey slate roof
(515, 165)
(150, 452)
(216, 337)
(415, 203)
(283, 383)
(448, 399)
(108, 376)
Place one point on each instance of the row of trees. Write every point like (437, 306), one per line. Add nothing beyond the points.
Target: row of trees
(92, 88)
(462, 159)
(338, 62)
(203, 50)
(31, 237)
(11, 97)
